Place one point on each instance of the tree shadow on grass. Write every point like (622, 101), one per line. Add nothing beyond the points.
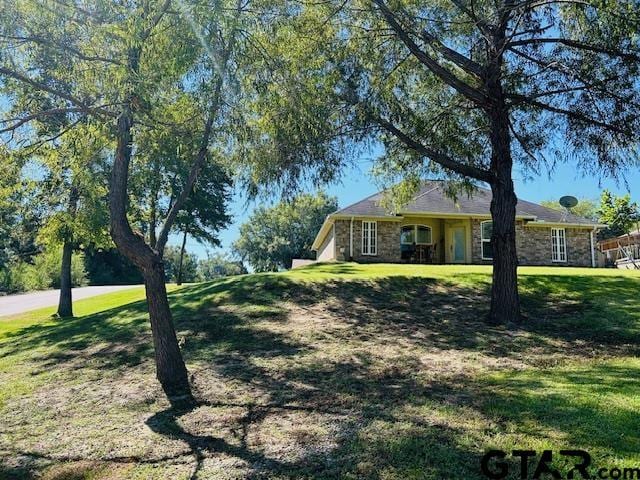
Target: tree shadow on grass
(380, 439)
(592, 407)
(224, 326)
(224, 315)
(120, 337)
(355, 399)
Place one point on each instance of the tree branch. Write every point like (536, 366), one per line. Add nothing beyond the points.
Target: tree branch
(445, 75)
(571, 114)
(57, 93)
(204, 144)
(155, 20)
(463, 62)
(433, 155)
(480, 23)
(188, 187)
(577, 45)
(557, 67)
(43, 41)
(19, 121)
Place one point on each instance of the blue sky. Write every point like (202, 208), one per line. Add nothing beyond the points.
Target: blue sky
(357, 183)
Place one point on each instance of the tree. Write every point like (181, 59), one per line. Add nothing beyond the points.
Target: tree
(205, 212)
(586, 208)
(180, 265)
(20, 220)
(620, 214)
(465, 88)
(125, 65)
(73, 193)
(218, 265)
(107, 266)
(272, 237)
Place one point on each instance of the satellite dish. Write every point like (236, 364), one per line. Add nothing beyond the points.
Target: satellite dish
(568, 201)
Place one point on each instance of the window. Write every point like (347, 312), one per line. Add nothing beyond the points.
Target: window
(418, 234)
(558, 245)
(369, 238)
(486, 230)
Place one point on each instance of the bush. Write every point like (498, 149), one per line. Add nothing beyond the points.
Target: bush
(44, 273)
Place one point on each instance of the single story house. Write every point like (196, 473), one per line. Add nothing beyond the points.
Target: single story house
(433, 228)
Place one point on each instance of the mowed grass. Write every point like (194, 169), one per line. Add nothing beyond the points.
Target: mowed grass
(331, 371)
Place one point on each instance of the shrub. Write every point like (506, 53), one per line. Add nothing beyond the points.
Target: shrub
(43, 273)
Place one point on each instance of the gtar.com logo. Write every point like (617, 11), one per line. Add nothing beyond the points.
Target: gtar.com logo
(494, 465)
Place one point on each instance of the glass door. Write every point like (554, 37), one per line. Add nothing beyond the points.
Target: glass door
(459, 244)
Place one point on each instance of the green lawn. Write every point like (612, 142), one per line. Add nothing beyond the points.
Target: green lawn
(331, 371)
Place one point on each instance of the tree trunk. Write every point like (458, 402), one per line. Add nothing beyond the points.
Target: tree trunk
(153, 214)
(182, 250)
(170, 368)
(152, 223)
(65, 303)
(505, 300)
(65, 306)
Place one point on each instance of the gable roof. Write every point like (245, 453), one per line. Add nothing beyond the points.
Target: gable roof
(431, 199)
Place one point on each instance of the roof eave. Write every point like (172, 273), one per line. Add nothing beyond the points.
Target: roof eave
(542, 223)
(403, 215)
(324, 229)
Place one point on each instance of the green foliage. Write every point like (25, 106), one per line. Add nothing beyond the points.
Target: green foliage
(586, 208)
(43, 273)
(273, 237)
(336, 74)
(219, 265)
(80, 82)
(205, 212)
(73, 188)
(161, 171)
(110, 267)
(172, 265)
(20, 214)
(619, 213)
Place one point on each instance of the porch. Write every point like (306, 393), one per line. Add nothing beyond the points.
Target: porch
(427, 240)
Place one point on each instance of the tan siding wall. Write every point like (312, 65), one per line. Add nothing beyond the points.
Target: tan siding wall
(327, 251)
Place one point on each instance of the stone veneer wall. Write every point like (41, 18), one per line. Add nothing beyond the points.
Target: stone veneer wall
(534, 245)
(388, 241)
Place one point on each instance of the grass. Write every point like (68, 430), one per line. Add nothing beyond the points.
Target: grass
(331, 371)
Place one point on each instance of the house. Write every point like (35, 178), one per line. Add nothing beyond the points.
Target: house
(433, 228)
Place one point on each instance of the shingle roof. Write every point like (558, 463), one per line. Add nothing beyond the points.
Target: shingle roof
(432, 199)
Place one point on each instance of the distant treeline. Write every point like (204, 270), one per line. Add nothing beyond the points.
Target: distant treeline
(41, 270)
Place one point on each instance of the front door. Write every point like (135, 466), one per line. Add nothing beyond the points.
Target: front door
(458, 245)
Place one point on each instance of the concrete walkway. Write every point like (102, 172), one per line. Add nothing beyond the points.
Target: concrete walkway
(23, 302)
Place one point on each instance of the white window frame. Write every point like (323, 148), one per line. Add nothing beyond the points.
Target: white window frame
(559, 247)
(484, 240)
(369, 233)
(415, 234)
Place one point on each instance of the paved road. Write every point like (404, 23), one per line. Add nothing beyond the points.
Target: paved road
(23, 302)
